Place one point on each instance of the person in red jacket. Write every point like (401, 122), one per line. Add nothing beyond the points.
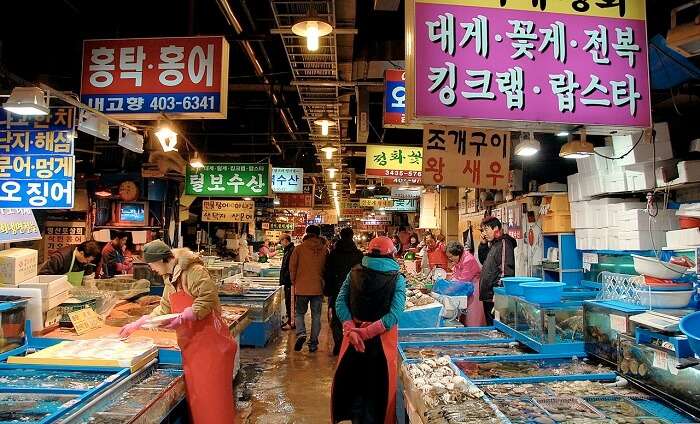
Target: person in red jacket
(437, 256)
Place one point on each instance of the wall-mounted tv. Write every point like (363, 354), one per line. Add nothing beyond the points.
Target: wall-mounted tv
(131, 213)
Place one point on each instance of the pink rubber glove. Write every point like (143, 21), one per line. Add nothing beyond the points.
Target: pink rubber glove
(186, 316)
(130, 329)
(354, 338)
(373, 330)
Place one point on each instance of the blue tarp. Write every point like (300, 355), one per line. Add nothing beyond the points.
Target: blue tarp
(427, 316)
(667, 67)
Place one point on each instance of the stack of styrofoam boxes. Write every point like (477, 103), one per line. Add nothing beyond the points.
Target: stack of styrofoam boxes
(639, 163)
(617, 224)
(598, 175)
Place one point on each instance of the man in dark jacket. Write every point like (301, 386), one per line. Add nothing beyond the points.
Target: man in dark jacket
(340, 261)
(59, 262)
(286, 279)
(499, 263)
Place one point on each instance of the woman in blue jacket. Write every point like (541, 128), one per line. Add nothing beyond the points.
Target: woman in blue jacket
(369, 304)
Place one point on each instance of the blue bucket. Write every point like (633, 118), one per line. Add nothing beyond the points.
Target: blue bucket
(690, 326)
(512, 284)
(542, 292)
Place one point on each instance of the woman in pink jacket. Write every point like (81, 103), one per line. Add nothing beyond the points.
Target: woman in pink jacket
(466, 268)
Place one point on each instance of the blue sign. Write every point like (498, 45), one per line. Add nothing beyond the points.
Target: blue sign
(394, 97)
(58, 119)
(154, 103)
(37, 194)
(18, 225)
(37, 167)
(27, 142)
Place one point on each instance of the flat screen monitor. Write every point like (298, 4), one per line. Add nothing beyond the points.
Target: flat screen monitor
(132, 213)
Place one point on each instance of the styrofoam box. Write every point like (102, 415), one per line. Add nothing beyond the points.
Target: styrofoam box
(598, 212)
(595, 164)
(680, 239)
(615, 182)
(613, 236)
(582, 239)
(640, 176)
(592, 185)
(574, 188)
(641, 240)
(688, 171)
(615, 209)
(600, 239)
(638, 220)
(578, 214)
(50, 285)
(17, 265)
(644, 151)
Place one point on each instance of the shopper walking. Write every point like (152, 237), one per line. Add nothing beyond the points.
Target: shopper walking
(369, 304)
(286, 280)
(499, 263)
(467, 269)
(306, 267)
(340, 261)
(207, 347)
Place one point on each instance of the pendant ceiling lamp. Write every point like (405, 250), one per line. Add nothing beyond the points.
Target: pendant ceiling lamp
(312, 27)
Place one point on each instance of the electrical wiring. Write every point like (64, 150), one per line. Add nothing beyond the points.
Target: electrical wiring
(641, 136)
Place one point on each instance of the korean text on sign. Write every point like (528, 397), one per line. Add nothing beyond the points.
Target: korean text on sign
(508, 60)
(288, 180)
(229, 180)
(142, 78)
(396, 164)
(394, 97)
(58, 119)
(463, 157)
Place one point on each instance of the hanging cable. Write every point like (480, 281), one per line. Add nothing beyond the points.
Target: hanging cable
(641, 136)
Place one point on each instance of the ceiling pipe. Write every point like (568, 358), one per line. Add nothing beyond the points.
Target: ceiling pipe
(231, 18)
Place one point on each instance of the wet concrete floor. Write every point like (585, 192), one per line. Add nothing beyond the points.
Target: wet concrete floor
(277, 385)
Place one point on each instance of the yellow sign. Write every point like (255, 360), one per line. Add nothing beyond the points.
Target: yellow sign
(376, 203)
(398, 164)
(228, 211)
(85, 320)
(634, 9)
(466, 157)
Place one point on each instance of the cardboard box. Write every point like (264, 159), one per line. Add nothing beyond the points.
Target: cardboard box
(681, 239)
(556, 223)
(559, 203)
(17, 265)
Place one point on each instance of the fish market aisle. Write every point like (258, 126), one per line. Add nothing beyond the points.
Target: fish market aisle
(277, 385)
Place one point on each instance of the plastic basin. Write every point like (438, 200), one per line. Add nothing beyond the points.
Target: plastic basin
(690, 326)
(512, 284)
(652, 267)
(542, 292)
(665, 299)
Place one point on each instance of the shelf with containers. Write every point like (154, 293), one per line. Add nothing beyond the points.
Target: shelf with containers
(568, 266)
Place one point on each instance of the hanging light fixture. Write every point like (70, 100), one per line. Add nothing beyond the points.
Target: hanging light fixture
(329, 149)
(276, 201)
(331, 172)
(325, 122)
(576, 149)
(371, 186)
(196, 162)
(247, 198)
(563, 134)
(103, 192)
(93, 124)
(167, 138)
(312, 27)
(27, 101)
(130, 140)
(527, 147)
(335, 185)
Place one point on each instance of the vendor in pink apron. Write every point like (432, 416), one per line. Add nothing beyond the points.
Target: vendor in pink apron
(208, 349)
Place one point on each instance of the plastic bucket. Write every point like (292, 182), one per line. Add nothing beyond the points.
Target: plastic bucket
(690, 326)
(512, 284)
(542, 292)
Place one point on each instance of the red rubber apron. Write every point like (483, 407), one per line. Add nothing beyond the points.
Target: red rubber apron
(208, 352)
(390, 344)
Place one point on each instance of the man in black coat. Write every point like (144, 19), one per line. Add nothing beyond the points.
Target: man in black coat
(340, 261)
(499, 263)
(286, 279)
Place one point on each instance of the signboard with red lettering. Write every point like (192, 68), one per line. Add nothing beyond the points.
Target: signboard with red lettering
(544, 62)
(143, 78)
(465, 157)
(395, 164)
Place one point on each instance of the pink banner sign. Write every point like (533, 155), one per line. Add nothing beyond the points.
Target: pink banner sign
(491, 63)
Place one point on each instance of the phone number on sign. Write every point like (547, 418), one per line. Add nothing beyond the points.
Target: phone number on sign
(187, 103)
